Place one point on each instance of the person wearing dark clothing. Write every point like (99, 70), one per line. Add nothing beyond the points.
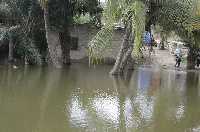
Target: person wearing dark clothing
(198, 60)
(177, 53)
(178, 61)
(197, 53)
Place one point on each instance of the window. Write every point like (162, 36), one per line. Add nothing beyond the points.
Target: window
(74, 43)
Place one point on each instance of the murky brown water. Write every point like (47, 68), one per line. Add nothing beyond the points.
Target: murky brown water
(80, 98)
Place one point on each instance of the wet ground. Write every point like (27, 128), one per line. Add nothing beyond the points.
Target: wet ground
(163, 59)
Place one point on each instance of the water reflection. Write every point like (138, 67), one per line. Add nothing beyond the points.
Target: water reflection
(78, 115)
(106, 107)
(143, 79)
(81, 98)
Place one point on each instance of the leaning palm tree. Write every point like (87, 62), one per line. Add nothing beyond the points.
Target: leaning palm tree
(176, 15)
(134, 13)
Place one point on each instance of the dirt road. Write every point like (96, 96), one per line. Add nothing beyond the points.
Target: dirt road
(162, 58)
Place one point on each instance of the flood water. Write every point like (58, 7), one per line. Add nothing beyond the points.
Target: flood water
(80, 98)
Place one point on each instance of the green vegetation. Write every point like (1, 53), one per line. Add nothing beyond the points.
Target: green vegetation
(23, 19)
(177, 15)
(25, 31)
(28, 41)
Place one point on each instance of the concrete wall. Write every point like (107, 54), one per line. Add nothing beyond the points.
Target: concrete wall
(85, 35)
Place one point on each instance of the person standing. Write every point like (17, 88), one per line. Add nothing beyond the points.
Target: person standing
(178, 61)
(177, 53)
(198, 58)
(152, 43)
(152, 40)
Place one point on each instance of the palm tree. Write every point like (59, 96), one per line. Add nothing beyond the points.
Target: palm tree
(20, 20)
(6, 13)
(57, 60)
(179, 16)
(134, 15)
(62, 13)
(118, 67)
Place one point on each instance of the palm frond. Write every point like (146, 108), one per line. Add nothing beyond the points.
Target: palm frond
(135, 10)
(101, 42)
(30, 49)
(6, 34)
(25, 44)
(139, 19)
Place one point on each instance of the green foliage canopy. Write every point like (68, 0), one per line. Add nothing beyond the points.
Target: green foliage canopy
(24, 19)
(174, 15)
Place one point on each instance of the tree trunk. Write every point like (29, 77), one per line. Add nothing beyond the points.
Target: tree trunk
(191, 59)
(57, 61)
(125, 60)
(123, 49)
(64, 37)
(11, 50)
(131, 64)
(162, 41)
